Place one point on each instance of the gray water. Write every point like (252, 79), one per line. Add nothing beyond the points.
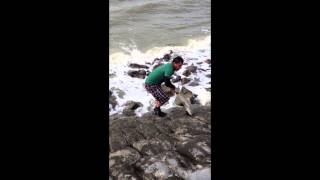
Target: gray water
(144, 24)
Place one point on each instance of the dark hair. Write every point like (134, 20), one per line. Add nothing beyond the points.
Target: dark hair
(177, 60)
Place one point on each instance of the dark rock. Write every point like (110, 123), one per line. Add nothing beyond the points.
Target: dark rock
(112, 100)
(194, 100)
(119, 92)
(185, 63)
(208, 75)
(134, 65)
(208, 61)
(185, 80)
(192, 68)
(202, 69)
(177, 79)
(137, 74)
(131, 106)
(194, 83)
(199, 62)
(150, 147)
(156, 59)
(112, 75)
(186, 73)
(197, 79)
(189, 70)
(166, 57)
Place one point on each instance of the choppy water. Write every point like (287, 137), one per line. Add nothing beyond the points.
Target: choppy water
(145, 24)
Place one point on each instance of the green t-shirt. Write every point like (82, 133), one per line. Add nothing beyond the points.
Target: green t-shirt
(157, 75)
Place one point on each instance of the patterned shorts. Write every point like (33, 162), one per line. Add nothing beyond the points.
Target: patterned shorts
(157, 93)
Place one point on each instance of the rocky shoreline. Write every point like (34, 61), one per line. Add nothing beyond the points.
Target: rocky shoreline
(175, 147)
(151, 147)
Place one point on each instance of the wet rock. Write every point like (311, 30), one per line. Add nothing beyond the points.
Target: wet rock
(194, 83)
(199, 62)
(197, 79)
(131, 106)
(192, 68)
(208, 89)
(176, 79)
(134, 65)
(166, 57)
(208, 75)
(185, 80)
(137, 74)
(202, 69)
(112, 100)
(150, 147)
(208, 61)
(119, 92)
(112, 75)
(189, 70)
(155, 60)
(186, 73)
(194, 99)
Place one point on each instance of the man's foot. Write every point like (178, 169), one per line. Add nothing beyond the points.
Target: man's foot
(158, 112)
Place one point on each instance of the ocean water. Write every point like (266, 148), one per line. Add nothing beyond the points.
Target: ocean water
(145, 24)
(140, 31)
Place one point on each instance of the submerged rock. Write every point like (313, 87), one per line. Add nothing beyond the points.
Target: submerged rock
(192, 68)
(186, 73)
(194, 83)
(134, 65)
(185, 80)
(137, 74)
(208, 61)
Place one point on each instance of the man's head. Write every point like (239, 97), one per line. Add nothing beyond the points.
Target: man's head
(177, 63)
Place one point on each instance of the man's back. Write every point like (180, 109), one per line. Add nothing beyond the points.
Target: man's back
(157, 75)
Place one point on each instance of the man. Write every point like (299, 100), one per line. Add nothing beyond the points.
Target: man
(156, 77)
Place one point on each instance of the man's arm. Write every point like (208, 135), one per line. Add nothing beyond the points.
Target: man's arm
(168, 83)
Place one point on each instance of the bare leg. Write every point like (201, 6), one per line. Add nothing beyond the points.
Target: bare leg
(157, 104)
